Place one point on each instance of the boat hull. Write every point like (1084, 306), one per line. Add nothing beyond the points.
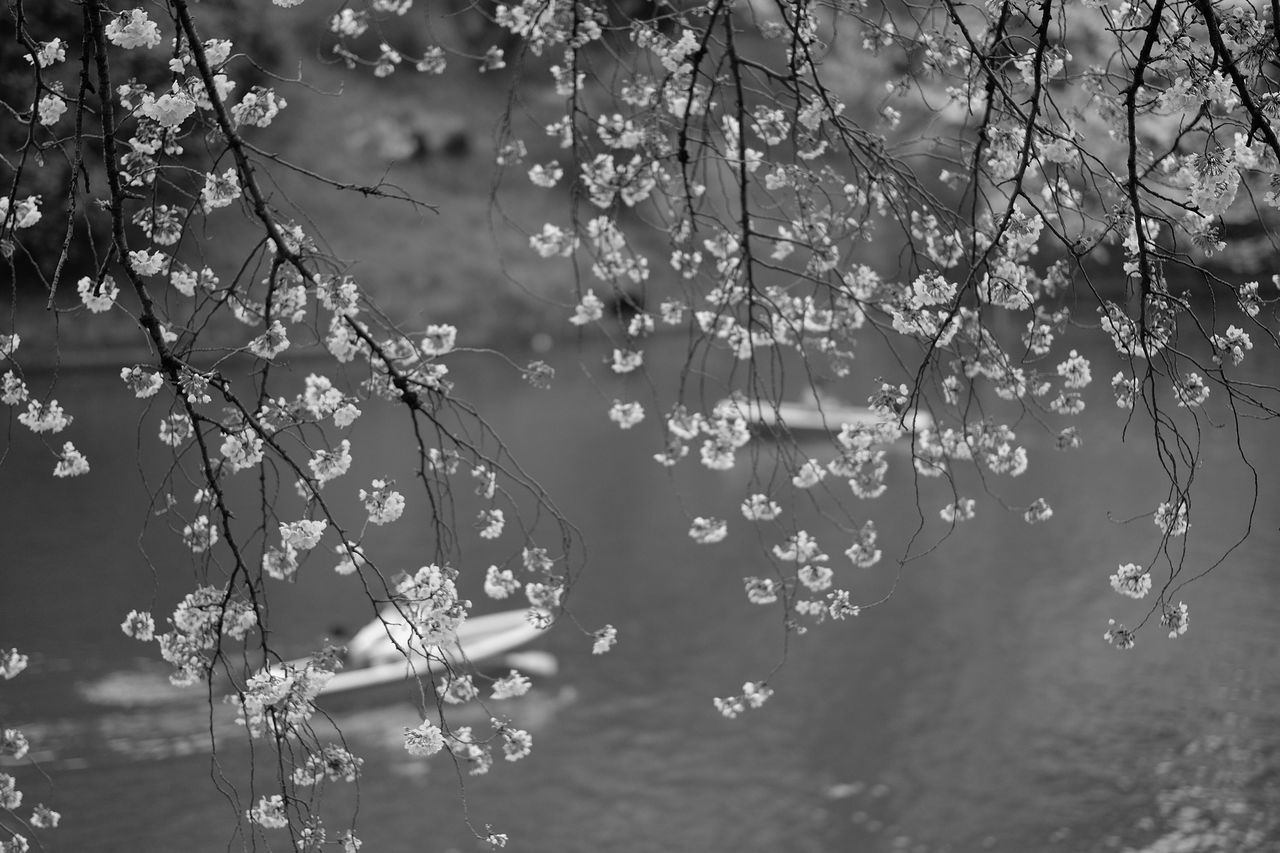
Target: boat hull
(378, 645)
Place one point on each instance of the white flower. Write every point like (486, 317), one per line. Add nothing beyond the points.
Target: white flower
(350, 558)
(140, 625)
(491, 522)
(346, 415)
(388, 59)
(341, 342)
(1118, 636)
(12, 389)
(329, 465)
(761, 590)
(220, 190)
(185, 280)
(756, 693)
(15, 743)
(269, 813)
(304, 534)
(516, 744)
(1176, 620)
(200, 535)
(604, 640)
(10, 796)
(103, 299)
(242, 449)
(1247, 298)
(49, 53)
(544, 597)
(465, 748)
(626, 415)
(25, 213)
(800, 547)
(43, 817)
(625, 361)
(588, 310)
(499, 583)
(488, 481)
(1235, 343)
(760, 508)
(640, 325)
(809, 475)
(510, 685)
(258, 107)
(321, 399)
(49, 418)
(143, 383)
(863, 553)
(221, 85)
(816, 578)
(960, 510)
(348, 23)
(280, 563)
(1075, 371)
(1170, 521)
(493, 60)
(170, 109)
(708, 531)
(439, 340)
(839, 607)
(1131, 580)
(332, 762)
(71, 463)
(270, 343)
(147, 263)
(339, 294)
(553, 241)
(175, 429)
(132, 29)
(12, 663)
(383, 503)
(51, 108)
(433, 62)
(458, 689)
(1038, 511)
(546, 176)
(1191, 391)
(216, 51)
(1125, 390)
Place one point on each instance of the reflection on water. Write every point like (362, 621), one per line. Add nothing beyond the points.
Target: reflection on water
(143, 717)
(978, 710)
(1219, 792)
(132, 688)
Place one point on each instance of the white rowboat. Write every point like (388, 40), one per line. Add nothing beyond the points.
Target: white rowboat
(374, 647)
(808, 417)
(828, 416)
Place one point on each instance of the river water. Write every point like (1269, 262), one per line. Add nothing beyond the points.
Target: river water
(978, 710)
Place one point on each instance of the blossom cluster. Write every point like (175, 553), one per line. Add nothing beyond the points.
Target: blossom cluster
(431, 604)
(278, 702)
(197, 626)
(795, 224)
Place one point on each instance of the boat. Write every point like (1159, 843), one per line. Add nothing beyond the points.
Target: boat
(375, 656)
(830, 417)
(823, 415)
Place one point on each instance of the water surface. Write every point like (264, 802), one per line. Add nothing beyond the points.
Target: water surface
(978, 710)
